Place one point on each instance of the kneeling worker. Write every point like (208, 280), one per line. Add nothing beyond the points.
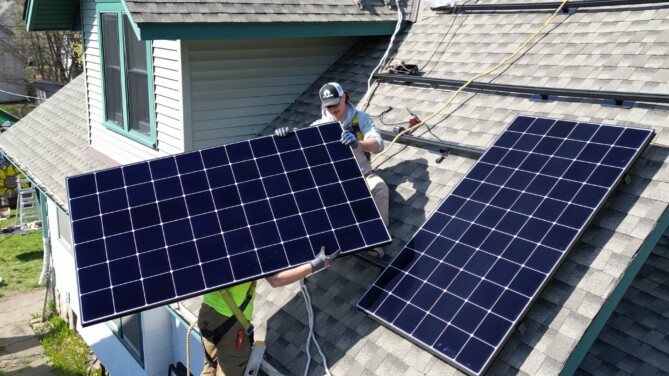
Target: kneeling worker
(358, 132)
(228, 337)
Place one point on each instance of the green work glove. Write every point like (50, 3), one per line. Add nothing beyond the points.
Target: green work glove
(322, 260)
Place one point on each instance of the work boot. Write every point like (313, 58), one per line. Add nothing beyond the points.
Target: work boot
(377, 252)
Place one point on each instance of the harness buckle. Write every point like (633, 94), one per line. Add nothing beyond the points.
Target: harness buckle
(249, 330)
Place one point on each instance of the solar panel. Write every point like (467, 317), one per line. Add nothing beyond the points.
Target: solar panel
(159, 231)
(471, 272)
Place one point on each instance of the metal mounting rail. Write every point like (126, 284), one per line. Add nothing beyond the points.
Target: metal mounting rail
(442, 146)
(544, 5)
(618, 97)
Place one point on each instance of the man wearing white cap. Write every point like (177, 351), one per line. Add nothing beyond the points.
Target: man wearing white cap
(359, 133)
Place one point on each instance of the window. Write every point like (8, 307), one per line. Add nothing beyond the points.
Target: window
(126, 76)
(129, 330)
(64, 230)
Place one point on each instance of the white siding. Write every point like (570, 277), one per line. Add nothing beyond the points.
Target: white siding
(107, 347)
(167, 100)
(157, 337)
(238, 86)
(156, 323)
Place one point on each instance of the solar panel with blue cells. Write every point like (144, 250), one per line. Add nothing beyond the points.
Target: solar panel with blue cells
(159, 231)
(467, 277)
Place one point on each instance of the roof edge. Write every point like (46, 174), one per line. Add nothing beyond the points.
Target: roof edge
(256, 30)
(48, 15)
(591, 334)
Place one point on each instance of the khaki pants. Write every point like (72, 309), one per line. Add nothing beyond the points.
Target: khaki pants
(231, 360)
(380, 193)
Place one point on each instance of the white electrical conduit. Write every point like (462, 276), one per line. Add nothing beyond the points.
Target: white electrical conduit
(311, 337)
(382, 62)
(46, 261)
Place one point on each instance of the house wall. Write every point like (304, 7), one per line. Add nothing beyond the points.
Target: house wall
(156, 323)
(196, 351)
(167, 100)
(157, 338)
(237, 87)
(12, 77)
(12, 72)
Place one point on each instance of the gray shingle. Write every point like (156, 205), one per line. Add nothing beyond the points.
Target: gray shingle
(51, 142)
(192, 11)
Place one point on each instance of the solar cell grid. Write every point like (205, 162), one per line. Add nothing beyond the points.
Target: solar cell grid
(158, 231)
(463, 282)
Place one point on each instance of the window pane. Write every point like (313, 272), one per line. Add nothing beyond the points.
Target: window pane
(137, 79)
(131, 329)
(64, 227)
(112, 68)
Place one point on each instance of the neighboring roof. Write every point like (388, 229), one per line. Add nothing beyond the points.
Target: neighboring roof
(50, 143)
(48, 87)
(596, 49)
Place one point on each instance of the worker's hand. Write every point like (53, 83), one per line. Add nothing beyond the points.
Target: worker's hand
(282, 132)
(348, 138)
(322, 260)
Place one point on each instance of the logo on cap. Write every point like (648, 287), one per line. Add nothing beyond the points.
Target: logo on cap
(327, 94)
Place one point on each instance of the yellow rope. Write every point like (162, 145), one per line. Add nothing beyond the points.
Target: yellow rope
(501, 63)
(190, 328)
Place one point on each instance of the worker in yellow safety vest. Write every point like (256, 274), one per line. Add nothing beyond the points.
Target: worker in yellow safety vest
(225, 319)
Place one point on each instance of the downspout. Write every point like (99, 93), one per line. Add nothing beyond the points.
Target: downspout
(46, 239)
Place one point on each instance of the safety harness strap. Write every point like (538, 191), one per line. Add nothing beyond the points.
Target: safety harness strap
(215, 335)
(358, 133)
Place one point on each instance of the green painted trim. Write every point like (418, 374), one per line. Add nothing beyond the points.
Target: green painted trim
(4, 115)
(252, 30)
(28, 17)
(132, 22)
(38, 19)
(174, 313)
(124, 80)
(591, 334)
(152, 95)
(98, 16)
(106, 6)
(142, 139)
(118, 333)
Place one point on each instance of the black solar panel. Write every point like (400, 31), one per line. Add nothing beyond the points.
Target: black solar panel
(468, 276)
(159, 231)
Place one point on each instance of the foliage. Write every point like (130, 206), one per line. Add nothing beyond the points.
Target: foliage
(48, 55)
(20, 259)
(67, 351)
(18, 109)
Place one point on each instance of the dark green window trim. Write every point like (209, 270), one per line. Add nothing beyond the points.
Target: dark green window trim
(136, 350)
(124, 129)
(249, 30)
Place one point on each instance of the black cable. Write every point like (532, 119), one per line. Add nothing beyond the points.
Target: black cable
(90, 368)
(445, 34)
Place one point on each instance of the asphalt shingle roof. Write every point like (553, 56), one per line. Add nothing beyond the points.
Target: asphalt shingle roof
(50, 143)
(597, 49)
(206, 11)
(622, 48)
